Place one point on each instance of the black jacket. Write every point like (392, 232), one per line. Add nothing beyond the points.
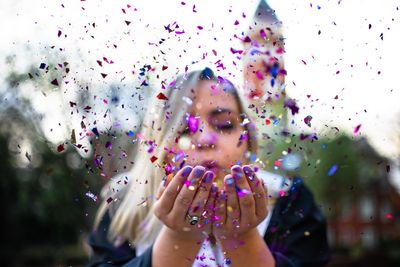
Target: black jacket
(296, 236)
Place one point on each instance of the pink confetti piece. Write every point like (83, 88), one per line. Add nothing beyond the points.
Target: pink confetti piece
(263, 34)
(356, 130)
(193, 124)
(234, 51)
(259, 75)
(307, 120)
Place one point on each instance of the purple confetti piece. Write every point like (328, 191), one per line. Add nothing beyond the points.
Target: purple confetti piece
(193, 124)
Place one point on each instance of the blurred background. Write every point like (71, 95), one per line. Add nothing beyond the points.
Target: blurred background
(75, 78)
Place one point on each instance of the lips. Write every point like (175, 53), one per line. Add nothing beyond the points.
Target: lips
(210, 165)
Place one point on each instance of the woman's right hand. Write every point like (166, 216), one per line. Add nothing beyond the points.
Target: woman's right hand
(189, 192)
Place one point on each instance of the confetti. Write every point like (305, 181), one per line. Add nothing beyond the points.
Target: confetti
(193, 124)
(234, 51)
(291, 104)
(60, 148)
(153, 158)
(161, 96)
(73, 137)
(168, 168)
(356, 130)
(108, 145)
(187, 100)
(29, 157)
(94, 130)
(332, 170)
(307, 120)
(92, 196)
(54, 82)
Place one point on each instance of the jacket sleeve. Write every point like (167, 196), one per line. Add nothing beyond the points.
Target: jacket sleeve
(105, 254)
(297, 234)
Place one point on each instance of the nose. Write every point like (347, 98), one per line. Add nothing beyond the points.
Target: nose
(206, 139)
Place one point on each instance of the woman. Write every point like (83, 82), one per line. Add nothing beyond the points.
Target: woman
(192, 199)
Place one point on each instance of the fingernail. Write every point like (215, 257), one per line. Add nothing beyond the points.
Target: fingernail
(236, 169)
(187, 171)
(223, 195)
(163, 181)
(229, 181)
(249, 172)
(208, 177)
(198, 173)
(237, 172)
(214, 188)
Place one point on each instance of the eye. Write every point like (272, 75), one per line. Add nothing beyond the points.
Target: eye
(225, 127)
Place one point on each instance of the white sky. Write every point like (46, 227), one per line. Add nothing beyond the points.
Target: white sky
(349, 42)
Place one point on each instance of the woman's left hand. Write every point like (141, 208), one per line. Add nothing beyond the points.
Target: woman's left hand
(240, 206)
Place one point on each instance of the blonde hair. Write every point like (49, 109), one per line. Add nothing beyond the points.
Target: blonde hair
(132, 206)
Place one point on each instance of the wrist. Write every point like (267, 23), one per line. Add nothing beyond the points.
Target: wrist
(237, 239)
(182, 236)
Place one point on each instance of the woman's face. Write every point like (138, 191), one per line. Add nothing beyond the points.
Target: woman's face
(213, 136)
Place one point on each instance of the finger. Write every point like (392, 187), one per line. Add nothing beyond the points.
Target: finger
(186, 194)
(163, 185)
(220, 209)
(259, 192)
(170, 193)
(208, 211)
(245, 197)
(232, 204)
(202, 194)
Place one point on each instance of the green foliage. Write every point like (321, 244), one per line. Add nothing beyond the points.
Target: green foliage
(45, 205)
